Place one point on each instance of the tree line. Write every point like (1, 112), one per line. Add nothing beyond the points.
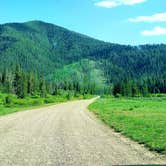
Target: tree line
(22, 84)
(142, 87)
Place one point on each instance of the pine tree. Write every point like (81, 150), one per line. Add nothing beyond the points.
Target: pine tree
(145, 92)
(24, 86)
(36, 84)
(4, 77)
(18, 81)
(43, 92)
(30, 83)
(128, 88)
(134, 90)
(55, 91)
(117, 89)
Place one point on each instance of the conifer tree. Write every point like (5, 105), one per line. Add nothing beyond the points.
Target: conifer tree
(18, 81)
(24, 86)
(145, 92)
(43, 92)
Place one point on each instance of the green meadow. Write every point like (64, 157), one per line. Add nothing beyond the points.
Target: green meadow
(141, 119)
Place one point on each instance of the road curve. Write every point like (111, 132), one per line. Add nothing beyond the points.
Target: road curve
(66, 135)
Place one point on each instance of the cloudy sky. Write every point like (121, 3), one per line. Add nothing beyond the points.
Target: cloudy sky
(118, 21)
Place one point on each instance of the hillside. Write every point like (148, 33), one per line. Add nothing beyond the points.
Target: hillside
(38, 45)
(57, 52)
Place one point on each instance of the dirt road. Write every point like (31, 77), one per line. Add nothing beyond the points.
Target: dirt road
(65, 135)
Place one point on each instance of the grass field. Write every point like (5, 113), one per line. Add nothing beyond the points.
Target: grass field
(142, 119)
(16, 104)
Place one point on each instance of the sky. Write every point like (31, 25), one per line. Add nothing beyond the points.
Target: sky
(131, 22)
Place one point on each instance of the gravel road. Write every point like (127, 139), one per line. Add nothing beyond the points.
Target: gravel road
(66, 135)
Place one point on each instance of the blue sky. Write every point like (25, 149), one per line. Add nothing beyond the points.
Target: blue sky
(118, 21)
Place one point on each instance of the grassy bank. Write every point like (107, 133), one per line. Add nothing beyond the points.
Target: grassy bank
(13, 104)
(142, 119)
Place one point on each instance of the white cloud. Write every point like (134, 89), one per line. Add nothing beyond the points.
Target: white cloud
(115, 3)
(159, 17)
(106, 4)
(132, 2)
(156, 31)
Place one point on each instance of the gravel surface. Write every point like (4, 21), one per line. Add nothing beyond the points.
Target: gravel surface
(66, 135)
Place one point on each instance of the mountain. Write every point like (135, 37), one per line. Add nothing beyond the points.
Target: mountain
(39, 45)
(61, 54)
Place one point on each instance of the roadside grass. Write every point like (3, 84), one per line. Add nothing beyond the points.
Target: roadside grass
(141, 119)
(14, 104)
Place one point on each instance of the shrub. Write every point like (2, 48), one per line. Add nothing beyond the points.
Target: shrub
(37, 102)
(8, 100)
(70, 95)
(118, 95)
(49, 100)
(62, 93)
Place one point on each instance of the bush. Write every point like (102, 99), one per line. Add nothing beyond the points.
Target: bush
(118, 95)
(161, 95)
(70, 95)
(62, 93)
(77, 95)
(88, 96)
(49, 100)
(106, 96)
(37, 102)
(8, 100)
(21, 102)
(35, 96)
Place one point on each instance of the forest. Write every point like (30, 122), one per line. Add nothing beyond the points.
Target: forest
(41, 58)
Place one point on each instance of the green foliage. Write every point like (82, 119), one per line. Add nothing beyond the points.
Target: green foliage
(23, 84)
(131, 89)
(18, 78)
(70, 95)
(118, 95)
(43, 92)
(82, 77)
(11, 103)
(142, 119)
(8, 100)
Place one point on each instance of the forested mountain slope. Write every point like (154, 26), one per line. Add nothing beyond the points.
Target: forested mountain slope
(53, 51)
(38, 45)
